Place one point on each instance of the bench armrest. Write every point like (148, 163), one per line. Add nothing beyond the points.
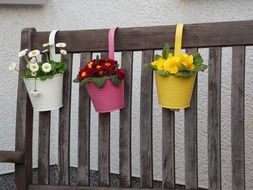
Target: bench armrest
(12, 156)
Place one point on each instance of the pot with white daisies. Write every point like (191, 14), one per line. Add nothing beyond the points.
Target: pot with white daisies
(44, 78)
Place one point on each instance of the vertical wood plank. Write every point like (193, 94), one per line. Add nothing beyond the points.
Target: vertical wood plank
(84, 129)
(104, 146)
(191, 138)
(237, 114)
(64, 124)
(125, 123)
(168, 148)
(146, 150)
(24, 121)
(214, 119)
(44, 147)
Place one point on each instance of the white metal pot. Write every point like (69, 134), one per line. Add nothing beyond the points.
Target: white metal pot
(45, 95)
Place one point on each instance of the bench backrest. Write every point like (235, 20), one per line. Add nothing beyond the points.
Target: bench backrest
(146, 39)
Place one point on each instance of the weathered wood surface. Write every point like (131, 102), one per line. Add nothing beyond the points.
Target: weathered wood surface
(125, 123)
(12, 157)
(64, 124)
(84, 129)
(237, 118)
(44, 147)
(143, 38)
(24, 121)
(50, 187)
(104, 146)
(191, 138)
(146, 110)
(214, 119)
(168, 148)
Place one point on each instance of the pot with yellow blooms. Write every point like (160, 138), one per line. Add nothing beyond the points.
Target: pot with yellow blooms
(175, 74)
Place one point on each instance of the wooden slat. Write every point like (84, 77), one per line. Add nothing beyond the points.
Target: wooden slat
(191, 138)
(168, 148)
(125, 123)
(64, 125)
(24, 121)
(143, 38)
(12, 156)
(146, 150)
(237, 114)
(50, 187)
(44, 147)
(214, 119)
(104, 146)
(84, 130)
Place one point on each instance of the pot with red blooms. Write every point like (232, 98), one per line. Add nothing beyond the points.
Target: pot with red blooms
(104, 81)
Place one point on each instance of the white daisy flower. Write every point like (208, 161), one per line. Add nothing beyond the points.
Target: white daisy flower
(47, 44)
(45, 51)
(34, 74)
(63, 52)
(61, 45)
(46, 67)
(34, 53)
(12, 66)
(22, 53)
(34, 67)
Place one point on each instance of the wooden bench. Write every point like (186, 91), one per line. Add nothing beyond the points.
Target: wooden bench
(146, 39)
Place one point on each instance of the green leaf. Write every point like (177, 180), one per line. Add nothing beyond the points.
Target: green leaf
(43, 78)
(157, 57)
(166, 51)
(115, 80)
(83, 82)
(201, 67)
(99, 81)
(185, 74)
(197, 59)
(163, 73)
(76, 80)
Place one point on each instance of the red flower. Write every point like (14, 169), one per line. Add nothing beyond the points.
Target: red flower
(120, 73)
(84, 73)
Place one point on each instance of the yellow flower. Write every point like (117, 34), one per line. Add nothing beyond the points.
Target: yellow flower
(172, 64)
(159, 63)
(187, 61)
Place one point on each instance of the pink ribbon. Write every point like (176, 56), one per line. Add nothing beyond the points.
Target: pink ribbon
(111, 42)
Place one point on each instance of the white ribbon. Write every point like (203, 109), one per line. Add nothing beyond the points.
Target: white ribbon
(52, 44)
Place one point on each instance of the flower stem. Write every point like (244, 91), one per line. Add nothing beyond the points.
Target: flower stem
(26, 59)
(48, 60)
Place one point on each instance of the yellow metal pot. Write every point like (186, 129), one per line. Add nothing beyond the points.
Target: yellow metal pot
(174, 92)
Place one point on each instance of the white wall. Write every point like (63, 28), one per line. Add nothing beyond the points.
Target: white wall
(80, 14)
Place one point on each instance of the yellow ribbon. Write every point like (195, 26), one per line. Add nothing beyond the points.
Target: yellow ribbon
(178, 39)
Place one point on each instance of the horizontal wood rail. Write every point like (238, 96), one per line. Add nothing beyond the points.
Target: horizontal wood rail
(12, 157)
(145, 38)
(50, 187)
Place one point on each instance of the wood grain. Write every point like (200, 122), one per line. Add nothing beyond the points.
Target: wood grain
(214, 119)
(50, 187)
(24, 120)
(125, 123)
(154, 37)
(237, 118)
(84, 129)
(104, 146)
(12, 157)
(146, 146)
(64, 124)
(191, 138)
(168, 148)
(44, 147)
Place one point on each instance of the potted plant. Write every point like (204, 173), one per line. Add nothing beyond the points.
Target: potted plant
(104, 82)
(175, 74)
(43, 79)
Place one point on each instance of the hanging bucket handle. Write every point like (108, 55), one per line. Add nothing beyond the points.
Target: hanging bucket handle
(178, 39)
(52, 44)
(111, 46)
